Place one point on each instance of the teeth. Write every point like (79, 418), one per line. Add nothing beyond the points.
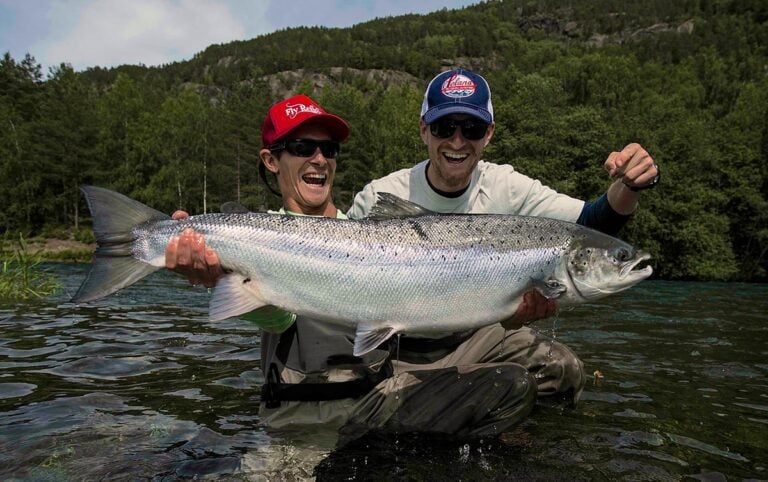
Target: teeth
(455, 156)
(314, 178)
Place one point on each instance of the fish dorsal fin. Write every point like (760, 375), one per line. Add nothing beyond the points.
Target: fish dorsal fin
(368, 337)
(233, 207)
(390, 206)
(234, 295)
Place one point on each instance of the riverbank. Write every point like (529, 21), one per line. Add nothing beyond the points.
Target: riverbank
(42, 249)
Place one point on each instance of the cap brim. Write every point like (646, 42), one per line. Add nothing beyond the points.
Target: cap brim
(468, 109)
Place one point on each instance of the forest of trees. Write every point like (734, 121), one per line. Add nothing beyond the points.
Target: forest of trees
(571, 81)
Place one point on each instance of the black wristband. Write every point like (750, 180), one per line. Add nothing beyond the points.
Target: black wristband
(654, 182)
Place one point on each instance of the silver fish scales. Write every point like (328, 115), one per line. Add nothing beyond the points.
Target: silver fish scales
(402, 270)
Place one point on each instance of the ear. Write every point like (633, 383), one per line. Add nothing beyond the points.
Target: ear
(424, 131)
(269, 160)
(489, 134)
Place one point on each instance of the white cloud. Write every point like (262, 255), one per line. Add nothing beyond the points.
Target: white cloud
(107, 33)
(152, 32)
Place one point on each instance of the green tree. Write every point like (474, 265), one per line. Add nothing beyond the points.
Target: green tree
(65, 152)
(21, 91)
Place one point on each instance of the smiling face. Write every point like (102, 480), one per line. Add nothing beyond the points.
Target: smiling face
(305, 182)
(452, 160)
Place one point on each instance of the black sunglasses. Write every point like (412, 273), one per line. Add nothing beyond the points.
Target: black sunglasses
(307, 147)
(471, 129)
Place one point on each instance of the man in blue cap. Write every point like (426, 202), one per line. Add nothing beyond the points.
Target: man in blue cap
(456, 125)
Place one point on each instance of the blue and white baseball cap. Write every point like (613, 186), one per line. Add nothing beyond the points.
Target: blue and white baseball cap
(457, 92)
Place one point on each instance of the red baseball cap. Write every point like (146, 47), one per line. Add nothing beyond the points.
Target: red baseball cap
(286, 115)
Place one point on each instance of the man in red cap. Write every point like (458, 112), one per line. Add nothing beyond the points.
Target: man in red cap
(300, 144)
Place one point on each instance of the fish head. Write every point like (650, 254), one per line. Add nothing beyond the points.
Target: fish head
(599, 265)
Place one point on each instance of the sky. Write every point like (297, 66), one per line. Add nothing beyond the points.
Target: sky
(107, 33)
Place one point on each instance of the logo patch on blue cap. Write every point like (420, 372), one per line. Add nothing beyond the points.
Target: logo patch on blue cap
(458, 86)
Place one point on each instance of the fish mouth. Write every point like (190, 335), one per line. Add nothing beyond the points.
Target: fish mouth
(628, 269)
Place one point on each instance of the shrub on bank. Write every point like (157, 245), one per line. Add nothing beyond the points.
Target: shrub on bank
(21, 276)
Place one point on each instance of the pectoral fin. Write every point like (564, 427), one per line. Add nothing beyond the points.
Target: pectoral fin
(234, 295)
(549, 288)
(368, 337)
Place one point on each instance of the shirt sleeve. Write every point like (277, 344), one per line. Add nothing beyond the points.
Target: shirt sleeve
(540, 200)
(599, 215)
(364, 201)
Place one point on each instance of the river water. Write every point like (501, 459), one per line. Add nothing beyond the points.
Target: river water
(141, 386)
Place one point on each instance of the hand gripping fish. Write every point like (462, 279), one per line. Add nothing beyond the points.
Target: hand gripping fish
(403, 269)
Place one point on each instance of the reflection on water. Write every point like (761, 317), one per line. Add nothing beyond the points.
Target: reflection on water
(141, 385)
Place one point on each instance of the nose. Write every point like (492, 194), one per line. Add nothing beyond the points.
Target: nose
(457, 138)
(318, 157)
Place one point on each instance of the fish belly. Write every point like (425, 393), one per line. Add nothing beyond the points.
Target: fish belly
(429, 293)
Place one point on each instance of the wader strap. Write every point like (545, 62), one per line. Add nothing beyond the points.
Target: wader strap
(274, 391)
(284, 345)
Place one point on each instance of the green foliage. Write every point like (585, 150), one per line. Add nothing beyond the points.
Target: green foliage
(572, 81)
(21, 277)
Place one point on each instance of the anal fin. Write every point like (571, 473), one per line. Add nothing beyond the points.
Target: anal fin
(368, 337)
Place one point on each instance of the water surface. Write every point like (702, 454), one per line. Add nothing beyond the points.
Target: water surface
(142, 386)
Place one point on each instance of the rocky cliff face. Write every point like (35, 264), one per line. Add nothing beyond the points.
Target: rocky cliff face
(285, 83)
(571, 29)
(599, 40)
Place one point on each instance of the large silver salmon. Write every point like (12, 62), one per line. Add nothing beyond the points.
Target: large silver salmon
(401, 270)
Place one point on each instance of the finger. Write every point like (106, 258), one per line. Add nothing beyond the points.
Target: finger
(613, 163)
(184, 250)
(639, 158)
(641, 168)
(214, 270)
(212, 260)
(197, 254)
(528, 313)
(641, 175)
(170, 252)
(521, 314)
(629, 156)
(618, 162)
(179, 215)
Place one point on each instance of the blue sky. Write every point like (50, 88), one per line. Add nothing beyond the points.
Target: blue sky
(106, 33)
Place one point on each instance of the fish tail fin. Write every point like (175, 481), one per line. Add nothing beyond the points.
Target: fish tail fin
(114, 267)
